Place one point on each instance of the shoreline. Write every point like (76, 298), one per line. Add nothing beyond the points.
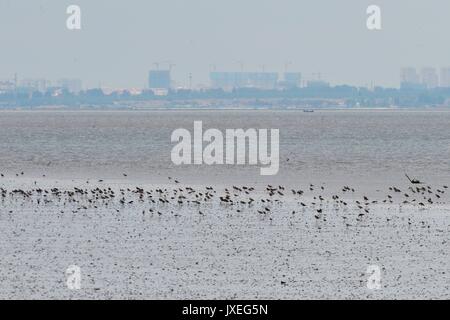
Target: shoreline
(173, 109)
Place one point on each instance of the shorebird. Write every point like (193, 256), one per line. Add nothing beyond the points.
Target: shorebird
(413, 181)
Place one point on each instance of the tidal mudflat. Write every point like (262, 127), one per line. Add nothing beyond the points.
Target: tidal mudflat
(176, 241)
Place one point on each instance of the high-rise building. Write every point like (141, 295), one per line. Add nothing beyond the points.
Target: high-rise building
(292, 79)
(7, 86)
(227, 80)
(445, 77)
(409, 76)
(317, 84)
(159, 79)
(231, 80)
(31, 85)
(430, 77)
(71, 85)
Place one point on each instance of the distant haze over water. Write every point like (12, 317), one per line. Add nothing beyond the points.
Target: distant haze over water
(121, 40)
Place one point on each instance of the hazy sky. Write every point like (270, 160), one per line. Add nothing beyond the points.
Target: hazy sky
(120, 40)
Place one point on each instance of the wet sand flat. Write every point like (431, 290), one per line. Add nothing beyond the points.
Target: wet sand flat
(134, 246)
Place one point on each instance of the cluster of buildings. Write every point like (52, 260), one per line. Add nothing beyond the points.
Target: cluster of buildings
(160, 80)
(411, 78)
(258, 80)
(425, 78)
(7, 86)
(29, 86)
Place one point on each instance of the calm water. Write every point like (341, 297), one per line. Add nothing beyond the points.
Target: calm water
(360, 146)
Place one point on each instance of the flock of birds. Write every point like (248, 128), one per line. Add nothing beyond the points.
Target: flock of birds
(160, 201)
(178, 244)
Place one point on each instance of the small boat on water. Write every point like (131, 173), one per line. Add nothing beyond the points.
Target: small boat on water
(308, 110)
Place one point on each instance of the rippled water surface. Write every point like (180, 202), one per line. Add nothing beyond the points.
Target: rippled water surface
(329, 144)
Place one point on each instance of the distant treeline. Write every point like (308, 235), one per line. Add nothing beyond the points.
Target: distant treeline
(348, 95)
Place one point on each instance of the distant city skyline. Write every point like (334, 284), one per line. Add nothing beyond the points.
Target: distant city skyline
(252, 89)
(426, 77)
(121, 41)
